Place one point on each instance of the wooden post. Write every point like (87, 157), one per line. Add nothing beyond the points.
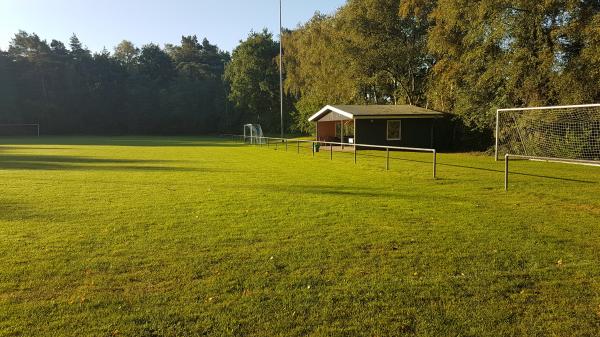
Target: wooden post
(312, 145)
(342, 134)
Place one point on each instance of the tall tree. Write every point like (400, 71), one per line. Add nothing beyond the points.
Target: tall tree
(126, 53)
(318, 70)
(253, 78)
(388, 48)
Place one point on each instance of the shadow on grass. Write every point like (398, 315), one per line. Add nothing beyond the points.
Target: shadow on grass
(522, 174)
(338, 191)
(12, 148)
(158, 141)
(47, 162)
(487, 169)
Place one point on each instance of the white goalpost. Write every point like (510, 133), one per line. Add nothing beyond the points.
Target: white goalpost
(16, 129)
(253, 133)
(567, 134)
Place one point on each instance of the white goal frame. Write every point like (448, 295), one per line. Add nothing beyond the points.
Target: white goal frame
(254, 133)
(507, 156)
(36, 125)
(566, 160)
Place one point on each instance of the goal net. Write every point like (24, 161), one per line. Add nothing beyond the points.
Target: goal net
(11, 130)
(556, 132)
(253, 134)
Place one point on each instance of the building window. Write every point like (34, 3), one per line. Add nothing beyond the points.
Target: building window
(394, 130)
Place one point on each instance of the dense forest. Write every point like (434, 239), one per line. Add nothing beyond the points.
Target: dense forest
(464, 57)
(178, 89)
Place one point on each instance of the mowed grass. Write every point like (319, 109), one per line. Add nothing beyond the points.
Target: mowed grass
(158, 236)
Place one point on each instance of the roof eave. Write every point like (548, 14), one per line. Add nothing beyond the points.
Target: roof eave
(400, 116)
(329, 108)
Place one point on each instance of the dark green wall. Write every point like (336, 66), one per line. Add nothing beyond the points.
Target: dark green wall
(416, 132)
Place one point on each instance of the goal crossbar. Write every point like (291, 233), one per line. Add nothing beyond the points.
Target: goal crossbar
(552, 107)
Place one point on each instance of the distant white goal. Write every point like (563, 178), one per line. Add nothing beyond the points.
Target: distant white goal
(253, 134)
(16, 129)
(554, 133)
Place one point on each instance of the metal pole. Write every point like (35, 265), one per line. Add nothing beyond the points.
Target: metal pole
(285, 140)
(331, 151)
(38, 130)
(355, 154)
(497, 119)
(387, 159)
(506, 172)
(281, 67)
(313, 148)
(434, 163)
(298, 145)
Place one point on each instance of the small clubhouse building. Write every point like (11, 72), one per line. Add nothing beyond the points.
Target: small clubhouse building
(391, 125)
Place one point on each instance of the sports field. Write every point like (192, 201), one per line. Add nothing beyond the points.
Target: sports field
(159, 236)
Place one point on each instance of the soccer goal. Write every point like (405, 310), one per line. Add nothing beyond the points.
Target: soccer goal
(568, 133)
(20, 130)
(253, 134)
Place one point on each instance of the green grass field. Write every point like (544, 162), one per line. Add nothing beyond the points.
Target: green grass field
(190, 236)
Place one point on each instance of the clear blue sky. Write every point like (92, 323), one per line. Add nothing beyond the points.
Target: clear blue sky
(104, 23)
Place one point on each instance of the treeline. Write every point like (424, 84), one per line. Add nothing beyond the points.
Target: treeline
(147, 90)
(465, 57)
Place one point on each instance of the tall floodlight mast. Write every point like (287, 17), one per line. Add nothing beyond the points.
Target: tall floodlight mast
(281, 68)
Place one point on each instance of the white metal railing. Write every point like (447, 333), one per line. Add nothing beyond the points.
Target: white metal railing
(265, 141)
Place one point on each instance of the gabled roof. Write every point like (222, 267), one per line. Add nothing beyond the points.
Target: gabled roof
(352, 111)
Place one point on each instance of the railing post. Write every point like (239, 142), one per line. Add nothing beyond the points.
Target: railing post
(434, 163)
(330, 151)
(387, 158)
(506, 172)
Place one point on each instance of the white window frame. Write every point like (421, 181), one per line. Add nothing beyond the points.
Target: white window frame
(387, 129)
